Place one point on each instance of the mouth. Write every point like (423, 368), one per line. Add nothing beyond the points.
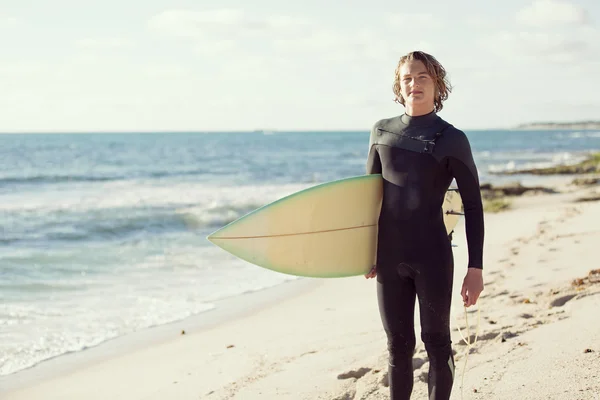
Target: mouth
(416, 92)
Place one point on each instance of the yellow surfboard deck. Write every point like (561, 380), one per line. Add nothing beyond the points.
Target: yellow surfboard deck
(325, 231)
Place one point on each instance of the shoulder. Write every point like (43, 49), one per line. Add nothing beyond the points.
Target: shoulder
(454, 142)
(453, 134)
(385, 123)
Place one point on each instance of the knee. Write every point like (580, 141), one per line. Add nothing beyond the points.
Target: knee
(400, 347)
(437, 342)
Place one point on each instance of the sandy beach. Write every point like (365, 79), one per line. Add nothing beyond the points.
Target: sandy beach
(538, 337)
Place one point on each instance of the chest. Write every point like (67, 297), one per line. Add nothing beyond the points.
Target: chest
(404, 167)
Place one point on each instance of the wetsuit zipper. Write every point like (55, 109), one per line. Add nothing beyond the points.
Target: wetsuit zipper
(429, 143)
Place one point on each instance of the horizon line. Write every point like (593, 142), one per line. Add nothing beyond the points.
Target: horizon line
(201, 131)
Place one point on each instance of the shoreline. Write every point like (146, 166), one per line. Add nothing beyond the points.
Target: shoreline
(226, 309)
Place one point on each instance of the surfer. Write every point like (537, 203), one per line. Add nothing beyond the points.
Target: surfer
(419, 155)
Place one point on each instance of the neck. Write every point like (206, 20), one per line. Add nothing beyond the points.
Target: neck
(415, 111)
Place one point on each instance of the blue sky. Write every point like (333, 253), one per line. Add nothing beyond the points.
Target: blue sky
(148, 65)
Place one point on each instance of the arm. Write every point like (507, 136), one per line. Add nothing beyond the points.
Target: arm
(463, 169)
(373, 167)
(373, 160)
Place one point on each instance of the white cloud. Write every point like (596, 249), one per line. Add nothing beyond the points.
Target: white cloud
(218, 32)
(215, 47)
(8, 21)
(287, 22)
(165, 71)
(185, 23)
(540, 46)
(321, 40)
(21, 68)
(221, 23)
(550, 13)
(360, 47)
(413, 21)
(104, 43)
(479, 21)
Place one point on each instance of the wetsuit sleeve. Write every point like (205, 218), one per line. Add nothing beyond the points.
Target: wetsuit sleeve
(462, 167)
(373, 160)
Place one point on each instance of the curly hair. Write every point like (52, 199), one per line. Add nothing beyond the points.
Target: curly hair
(435, 70)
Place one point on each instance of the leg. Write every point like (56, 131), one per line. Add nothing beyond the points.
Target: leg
(396, 297)
(434, 288)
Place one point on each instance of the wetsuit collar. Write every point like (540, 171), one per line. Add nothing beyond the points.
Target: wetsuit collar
(420, 120)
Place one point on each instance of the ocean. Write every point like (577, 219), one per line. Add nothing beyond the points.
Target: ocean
(102, 235)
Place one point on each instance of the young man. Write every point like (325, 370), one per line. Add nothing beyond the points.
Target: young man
(419, 154)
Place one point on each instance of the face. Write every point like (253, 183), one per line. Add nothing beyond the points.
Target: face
(417, 86)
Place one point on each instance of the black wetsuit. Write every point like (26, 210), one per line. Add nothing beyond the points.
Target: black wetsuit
(418, 158)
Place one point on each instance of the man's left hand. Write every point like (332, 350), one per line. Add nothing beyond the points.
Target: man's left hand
(472, 286)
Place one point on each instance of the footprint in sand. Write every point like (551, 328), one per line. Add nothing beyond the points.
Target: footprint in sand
(423, 376)
(537, 323)
(561, 301)
(508, 335)
(418, 362)
(384, 380)
(356, 374)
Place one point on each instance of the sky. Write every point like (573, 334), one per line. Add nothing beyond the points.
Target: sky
(117, 65)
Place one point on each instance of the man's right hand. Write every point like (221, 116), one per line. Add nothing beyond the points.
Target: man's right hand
(372, 273)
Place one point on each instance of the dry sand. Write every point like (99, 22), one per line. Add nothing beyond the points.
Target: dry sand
(539, 334)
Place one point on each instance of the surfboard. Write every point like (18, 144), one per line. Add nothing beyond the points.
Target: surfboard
(325, 231)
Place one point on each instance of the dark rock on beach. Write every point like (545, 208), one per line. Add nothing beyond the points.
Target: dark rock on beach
(497, 198)
(511, 189)
(590, 181)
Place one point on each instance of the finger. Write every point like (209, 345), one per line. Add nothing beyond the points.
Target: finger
(474, 298)
(463, 293)
(467, 297)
